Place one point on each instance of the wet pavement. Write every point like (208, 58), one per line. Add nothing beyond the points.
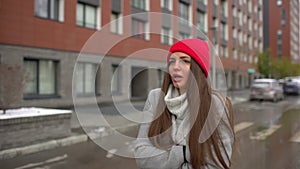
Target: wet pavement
(271, 141)
(268, 137)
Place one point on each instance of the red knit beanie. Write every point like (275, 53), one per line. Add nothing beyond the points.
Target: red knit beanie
(195, 48)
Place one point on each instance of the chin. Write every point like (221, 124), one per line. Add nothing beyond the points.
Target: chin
(177, 86)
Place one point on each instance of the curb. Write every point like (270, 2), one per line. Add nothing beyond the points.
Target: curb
(14, 152)
(52, 144)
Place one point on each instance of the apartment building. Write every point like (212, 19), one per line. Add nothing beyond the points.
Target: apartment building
(281, 28)
(116, 49)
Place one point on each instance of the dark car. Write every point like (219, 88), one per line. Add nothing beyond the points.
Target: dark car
(292, 85)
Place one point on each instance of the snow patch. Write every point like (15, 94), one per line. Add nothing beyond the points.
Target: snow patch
(31, 112)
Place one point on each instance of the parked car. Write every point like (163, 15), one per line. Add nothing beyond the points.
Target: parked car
(266, 89)
(292, 85)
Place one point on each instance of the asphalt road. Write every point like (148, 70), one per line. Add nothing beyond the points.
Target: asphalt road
(268, 137)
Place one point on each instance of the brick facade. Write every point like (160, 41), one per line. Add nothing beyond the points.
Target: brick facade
(26, 35)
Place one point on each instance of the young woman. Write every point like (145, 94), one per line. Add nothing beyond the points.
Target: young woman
(187, 124)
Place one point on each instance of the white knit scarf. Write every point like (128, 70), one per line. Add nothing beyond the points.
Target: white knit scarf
(178, 106)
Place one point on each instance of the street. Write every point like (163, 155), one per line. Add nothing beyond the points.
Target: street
(268, 137)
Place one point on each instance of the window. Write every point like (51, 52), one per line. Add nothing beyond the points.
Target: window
(224, 31)
(224, 8)
(49, 9)
(249, 42)
(235, 55)
(40, 77)
(166, 4)
(224, 51)
(279, 42)
(116, 23)
(240, 38)
(165, 36)
(233, 11)
(85, 78)
(138, 28)
(234, 33)
(250, 58)
(245, 38)
(260, 14)
(183, 35)
(240, 19)
(249, 25)
(201, 21)
(202, 1)
(283, 17)
(141, 4)
(249, 6)
(214, 30)
(115, 81)
(86, 15)
(183, 12)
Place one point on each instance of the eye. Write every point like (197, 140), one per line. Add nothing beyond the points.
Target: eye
(171, 62)
(186, 61)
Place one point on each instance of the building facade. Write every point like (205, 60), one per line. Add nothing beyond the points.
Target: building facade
(47, 37)
(281, 29)
(295, 31)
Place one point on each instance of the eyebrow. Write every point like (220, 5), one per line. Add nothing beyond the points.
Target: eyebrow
(183, 57)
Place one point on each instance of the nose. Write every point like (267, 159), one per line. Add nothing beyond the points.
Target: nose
(177, 65)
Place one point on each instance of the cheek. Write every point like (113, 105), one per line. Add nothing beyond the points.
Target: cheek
(170, 69)
(187, 71)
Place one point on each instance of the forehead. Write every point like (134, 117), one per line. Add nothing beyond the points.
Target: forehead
(178, 55)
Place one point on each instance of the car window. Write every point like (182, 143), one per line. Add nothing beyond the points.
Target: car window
(261, 84)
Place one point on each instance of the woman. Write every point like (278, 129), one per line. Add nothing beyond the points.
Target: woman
(189, 125)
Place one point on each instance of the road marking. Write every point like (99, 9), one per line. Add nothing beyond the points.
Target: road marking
(296, 137)
(111, 153)
(51, 160)
(241, 126)
(263, 134)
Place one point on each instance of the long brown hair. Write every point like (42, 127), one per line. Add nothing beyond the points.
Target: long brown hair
(161, 125)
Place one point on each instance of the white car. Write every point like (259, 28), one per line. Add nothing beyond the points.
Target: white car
(266, 89)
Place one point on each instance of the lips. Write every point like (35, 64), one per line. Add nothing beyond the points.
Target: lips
(177, 78)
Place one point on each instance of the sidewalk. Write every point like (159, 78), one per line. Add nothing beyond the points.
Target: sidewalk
(95, 123)
(238, 96)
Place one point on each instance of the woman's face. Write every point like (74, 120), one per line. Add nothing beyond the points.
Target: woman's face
(179, 68)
